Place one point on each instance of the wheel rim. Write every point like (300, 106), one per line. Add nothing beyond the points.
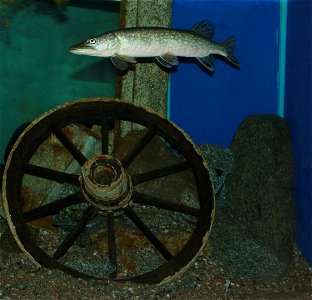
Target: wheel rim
(106, 110)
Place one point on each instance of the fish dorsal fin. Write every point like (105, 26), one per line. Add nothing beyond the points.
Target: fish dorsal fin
(207, 62)
(119, 64)
(126, 58)
(205, 28)
(168, 60)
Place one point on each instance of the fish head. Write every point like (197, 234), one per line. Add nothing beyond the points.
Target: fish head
(105, 45)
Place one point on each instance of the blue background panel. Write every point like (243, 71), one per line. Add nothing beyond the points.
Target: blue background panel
(298, 113)
(210, 107)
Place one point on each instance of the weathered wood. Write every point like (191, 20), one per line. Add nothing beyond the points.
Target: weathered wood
(145, 84)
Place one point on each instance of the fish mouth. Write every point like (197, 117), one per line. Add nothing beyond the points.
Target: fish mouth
(78, 47)
(82, 49)
(75, 50)
(86, 50)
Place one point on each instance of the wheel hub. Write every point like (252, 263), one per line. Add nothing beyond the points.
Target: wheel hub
(105, 183)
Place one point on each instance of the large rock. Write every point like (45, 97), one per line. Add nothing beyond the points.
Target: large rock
(254, 234)
(220, 163)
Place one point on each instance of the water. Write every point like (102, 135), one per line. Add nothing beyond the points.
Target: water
(37, 71)
(274, 48)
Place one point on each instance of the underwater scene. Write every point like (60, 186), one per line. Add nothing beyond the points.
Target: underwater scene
(156, 149)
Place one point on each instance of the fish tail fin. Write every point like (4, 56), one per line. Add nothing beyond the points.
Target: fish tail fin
(229, 46)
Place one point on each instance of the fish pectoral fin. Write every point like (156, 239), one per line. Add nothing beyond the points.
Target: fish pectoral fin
(163, 62)
(207, 62)
(168, 60)
(119, 64)
(126, 58)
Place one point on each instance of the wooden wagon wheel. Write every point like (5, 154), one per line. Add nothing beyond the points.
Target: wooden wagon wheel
(105, 188)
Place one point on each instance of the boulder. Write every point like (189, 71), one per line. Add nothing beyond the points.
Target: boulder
(253, 234)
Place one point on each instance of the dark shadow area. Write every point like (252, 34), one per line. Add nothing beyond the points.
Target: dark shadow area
(59, 12)
(1, 173)
(18, 131)
(112, 6)
(100, 71)
(49, 8)
(9, 146)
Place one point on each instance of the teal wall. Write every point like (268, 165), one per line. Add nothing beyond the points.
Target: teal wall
(37, 71)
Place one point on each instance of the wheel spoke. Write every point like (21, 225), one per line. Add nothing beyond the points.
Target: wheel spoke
(134, 152)
(153, 201)
(53, 175)
(70, 239)
(69, 145)
(105, 134)
(53, 207)
(162, 172)
(112, 243)
(148, 233)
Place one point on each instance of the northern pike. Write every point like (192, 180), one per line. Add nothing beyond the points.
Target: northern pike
(165, 44)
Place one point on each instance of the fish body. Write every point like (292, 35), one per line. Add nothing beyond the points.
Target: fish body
(165, 44)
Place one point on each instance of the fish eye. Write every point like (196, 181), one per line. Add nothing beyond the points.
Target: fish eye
(92, 41)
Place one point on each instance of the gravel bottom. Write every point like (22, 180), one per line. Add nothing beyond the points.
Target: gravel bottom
(21, 279)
